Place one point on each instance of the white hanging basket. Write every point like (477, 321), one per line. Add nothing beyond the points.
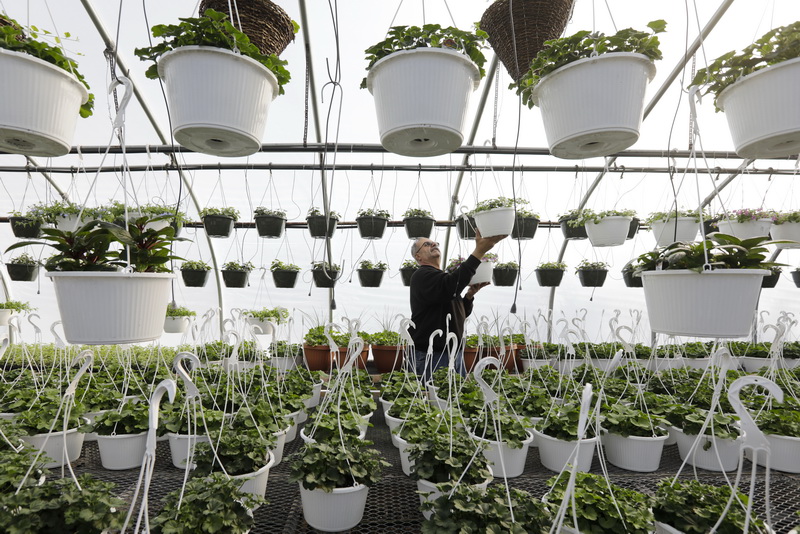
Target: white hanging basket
(503, 460)
(634, 453)
(124, 451)
(784, 453)
(110, 308)
(483, 273)
(433, 493)
(593, 107)
(340, 509)
(180, 445)
(263, 324)
(176, 325)
(54, 448)
(666, 232)
(753, 364)
(280, 443)
(493, 222)
(256, 483)
(555, 453)
(392, 423)
(745, 230)
(40, 106)
(609, 231)
(218, 100)
(421, 99)
(789, 231)
(763, 111)
(727, 449)
(719, 303)
(405, 461)
(5, 315)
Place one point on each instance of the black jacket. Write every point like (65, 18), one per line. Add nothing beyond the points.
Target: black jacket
(434, 294)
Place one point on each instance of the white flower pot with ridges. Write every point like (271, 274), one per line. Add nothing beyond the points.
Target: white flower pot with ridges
(634, 453)
(124, 451)
(263, 324)
(280, 443)
(109, 308)
(668, 232)
(392, 423)
(405, 461)
(5, 315)
(503, 460)
(555, 453)
(784, 453)
(176, 325)
(256, 483)
(727, 449)
(788, 231)
(421, 98)
(496, 221)
(483, 273)
(180, 445)
(40, 106)
(593, 107)
(54, 446)
(720, 303)
(745, 230)
(763, 111)
(663, 528)
(218, 100)
(340, 509)
(609, 231)
(433, 493)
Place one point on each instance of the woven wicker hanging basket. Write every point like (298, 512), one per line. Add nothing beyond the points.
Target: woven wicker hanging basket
(535, 21)
(265, 23)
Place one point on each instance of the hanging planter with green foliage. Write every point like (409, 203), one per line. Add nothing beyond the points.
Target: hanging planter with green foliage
(195, 273)
(269, 223)
(505, 274)
(324, 274)
(284, 274)
(525, 224)
(550, 274)
(25, 227)
(592, 273)
(23, 268)
(235, 274)
(418, 223)
(318, 226)
(218, 222)
(571, 226)
(370, 274)
(407, 270)
(465, 226)
(372, 223)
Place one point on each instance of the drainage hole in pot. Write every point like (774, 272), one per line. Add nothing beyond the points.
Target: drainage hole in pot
(216, 143)
(18, 143)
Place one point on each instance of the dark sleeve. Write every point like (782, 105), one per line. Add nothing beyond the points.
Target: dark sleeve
(468, 303)
(443, 286)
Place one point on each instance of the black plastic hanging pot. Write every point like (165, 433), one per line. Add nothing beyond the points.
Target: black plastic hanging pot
(771, 280)
(270, 227)
(634, 228)
(630, 280)
(324, 278)
(25, 227)
(218, 225)
(592, 277)
(504, 277)
(319, 228)
(417, 227)
(193, 278)
(796, 278)
(370, 277)
(465, 225)
(406, 273)
(235, 278)
(549, 277)
(371, 227)
(22, 272)
(284, 279)
(572, 232)
(524, 228)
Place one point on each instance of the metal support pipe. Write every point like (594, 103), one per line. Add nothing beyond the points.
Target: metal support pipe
(47, 177)
(111, 45)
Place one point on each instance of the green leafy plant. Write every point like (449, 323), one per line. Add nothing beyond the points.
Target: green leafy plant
(493, 203)
(236, 266)
(278, 315)
(777, 45)
(524, 213)
(417, 212)
(565, 50)
(23, 259)
(511, 430)
(131, 418)
(195, 265)
(227, 211)
(13, 37)
(429, 36)
(268, 212)
(379, 265)
(212, 29)
(782, 217)
(628, 421)
(445, 457)
(490, 257)
(508, 266)
(724, 252)
(747, 215)
(16, 305)
(454, 263)
(563, 424)
(374, 212)
(780, 421)
(409, 264)
(659, 216)
(242, 447)
(694, 508)
(324, 265)
(586, 265)
(278, 265)
(316, 212)
(209, 504)
(328, 466)
(589, 216)
(552, 265)
(179, 311)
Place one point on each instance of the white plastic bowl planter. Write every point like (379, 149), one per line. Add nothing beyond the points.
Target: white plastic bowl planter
(745, 230)
(483, 273)
(593, 107)
(634, 453)
(609, 231)
(109, 308)
(5, 315)
(784, 453)
(40, 106)
(680, 229)
(180, 445)
(763, 112)
(280, 443)
(340, 509)
(124, 451)
(429, 492)
(264, 325)
(218, 100)
(421, 98)
(176, 325)
(720, 303)
(555, 453)
(392, 423)
(54, 448)
(496, 221)
(405, 461)
(789, 231)
(256, 483)
(512, 463)
(727, 449)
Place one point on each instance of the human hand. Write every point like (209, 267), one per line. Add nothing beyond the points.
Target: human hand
(485, 244)
(474, 288)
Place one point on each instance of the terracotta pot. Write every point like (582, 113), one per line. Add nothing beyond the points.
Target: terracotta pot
(384, 356)
(510, 360)
(318, 357)
(470, 358)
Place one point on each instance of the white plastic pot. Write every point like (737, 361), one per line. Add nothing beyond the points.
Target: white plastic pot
(727, 449)
(90, 417)
(69, 222)
(176, 325)
(745, 230)
(426, 487)
(5, 315)
(405, 461)
(763, 112)
(263, 324)
(218, 100)
(720, 303)
(483, 273)
(180, 445)
(340, 509)
(54, 446)
(421, 99)
(530, 363)
(493, 222)
(634, 453)
(680, 229)
(503, 460)
(282, 364)
(280, 443)
(696, 363)
(789, 231)
(109, 308)
(593, 107)
(555, 453)
(663, 528)
(256, 483)
(40, 106)
(784, 453)
(392, 423)
(609, 231)
(752, 364)
(124, 451)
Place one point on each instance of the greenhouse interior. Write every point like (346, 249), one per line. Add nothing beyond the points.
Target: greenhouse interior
(580, 227)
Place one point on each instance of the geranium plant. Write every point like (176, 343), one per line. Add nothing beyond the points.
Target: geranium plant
(236, 266)
(278, 265)
(553, 265)
(195, 265)
(269, 212)
(374, 212)
(316, 212)
(227, 211)
(417, 212)
(748, 214)
(586, 265)
(328, 466)
(659, 216)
